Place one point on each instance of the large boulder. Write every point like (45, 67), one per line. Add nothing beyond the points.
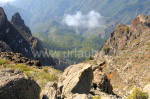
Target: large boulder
(50, 91)
(14, 84)
(100, 81)
(77, 79)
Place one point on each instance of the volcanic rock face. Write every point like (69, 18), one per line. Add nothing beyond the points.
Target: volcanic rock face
(3, 17)
(17, 37)
(16, 85)
(19, 22)
(127, 54)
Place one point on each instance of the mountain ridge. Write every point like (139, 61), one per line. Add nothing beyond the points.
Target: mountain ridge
(18, 38)
(126, 55)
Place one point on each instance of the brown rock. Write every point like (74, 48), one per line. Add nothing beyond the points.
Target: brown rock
(50, 91)
(101, 82)
(16, 85)
(77, 79)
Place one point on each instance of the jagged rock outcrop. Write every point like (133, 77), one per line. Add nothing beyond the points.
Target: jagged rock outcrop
(3, 18)
(77, 79)
(19, 23)
(15, 36)
(16, 85)
(127, 55)
(18, 58)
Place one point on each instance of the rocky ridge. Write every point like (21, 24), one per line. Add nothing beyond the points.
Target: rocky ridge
(126, 55)
(19, 59)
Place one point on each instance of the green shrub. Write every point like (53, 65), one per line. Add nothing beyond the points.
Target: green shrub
(45, 70)
(127, 29)
(106, 50)
(137, 94)
(90, 58)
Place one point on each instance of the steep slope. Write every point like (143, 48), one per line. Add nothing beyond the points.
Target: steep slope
(127, 54)
(16, 37)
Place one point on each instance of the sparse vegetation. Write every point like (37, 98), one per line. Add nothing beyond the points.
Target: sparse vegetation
(138, 94)
(42, 76)
(3, 62)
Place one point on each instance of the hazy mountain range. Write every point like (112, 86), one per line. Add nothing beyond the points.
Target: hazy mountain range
(46, 20)
(44, 10)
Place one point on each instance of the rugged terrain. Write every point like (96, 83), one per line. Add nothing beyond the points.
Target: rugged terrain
(126, 55)
(120, 70)
(16, 37)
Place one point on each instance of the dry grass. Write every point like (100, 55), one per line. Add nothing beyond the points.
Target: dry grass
(42, 76)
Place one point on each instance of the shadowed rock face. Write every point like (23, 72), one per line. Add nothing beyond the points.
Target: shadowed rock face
(17, 37)
(3, 17)
(16, 85)
(19, 22)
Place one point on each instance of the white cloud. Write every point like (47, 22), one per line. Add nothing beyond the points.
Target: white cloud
(6, 1)
(91, 20)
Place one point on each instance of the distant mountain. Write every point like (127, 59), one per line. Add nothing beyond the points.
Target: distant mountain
(16, 37)
(44, 17)
(115, 11)
(44, 9)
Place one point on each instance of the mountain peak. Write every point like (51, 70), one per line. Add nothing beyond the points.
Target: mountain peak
(3, 17)
(16, 37)
(19, 22)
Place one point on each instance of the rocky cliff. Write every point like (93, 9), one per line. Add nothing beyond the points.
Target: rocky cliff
(16, 37)
(126, 55)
